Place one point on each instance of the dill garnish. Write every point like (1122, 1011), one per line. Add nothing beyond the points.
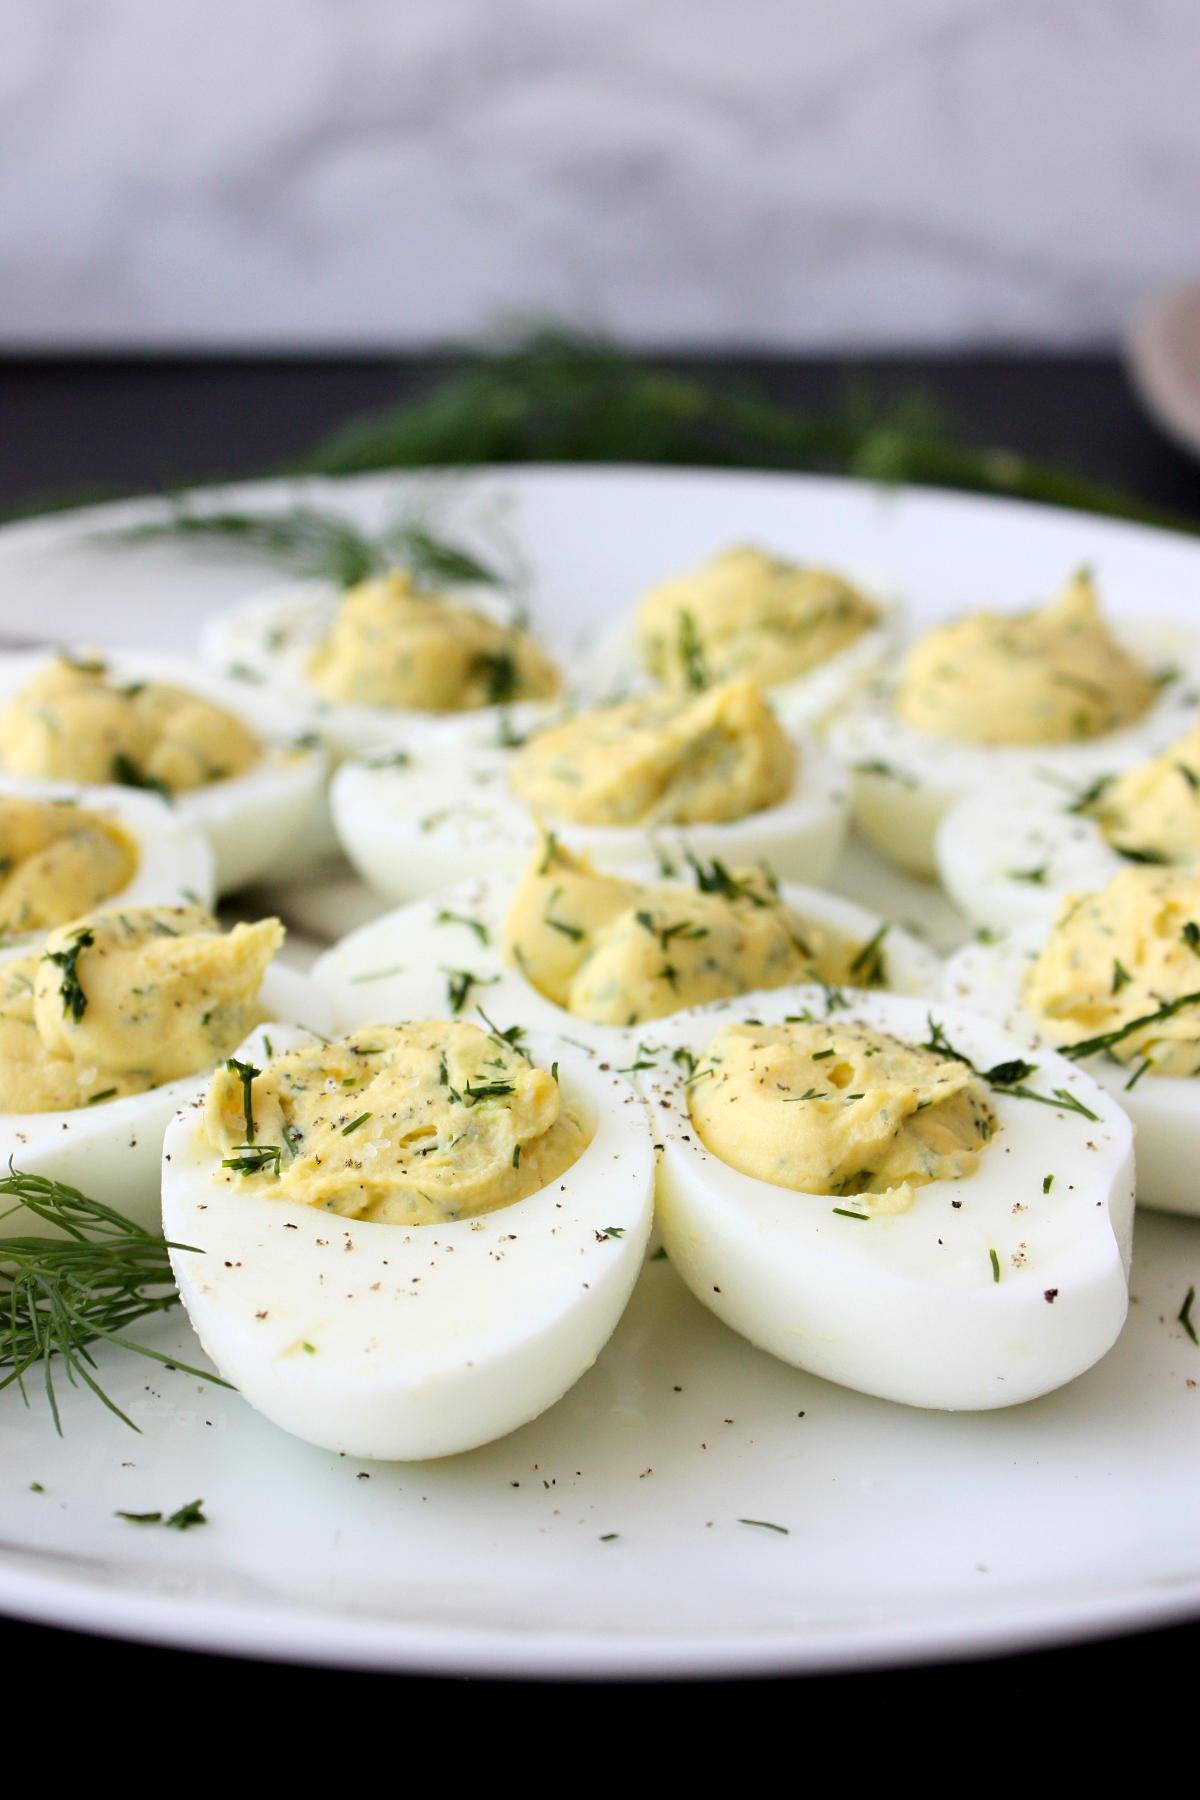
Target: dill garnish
(716, 879)
(1084, 801)
(60, 1294)
(844, 1212)
(1106, 1039)
(1190, 776)
(73, 997)
(1191, 936)
(476, 925)
(254, 1159)
(1154, 857)
(355, 1123)
(512, 1036)
(889, 773)
(126, 774)
(870, 960)
(1035, 877)
(1185, 1316)
(765, 1524)
(500, 669)
(995, 1265)
(1121, 975)
(487, 1090)
(691, 653)
(247, 1071)
(459, 983)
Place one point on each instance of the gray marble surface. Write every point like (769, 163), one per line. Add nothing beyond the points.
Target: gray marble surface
(781, 173)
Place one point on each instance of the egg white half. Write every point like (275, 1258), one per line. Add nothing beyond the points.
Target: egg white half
(112, 1152)
(272, 636)
(1013, 850)
(425, 1340)
(613, 668)
(397, 966)
(904, 781)
(1165, 1109)
(444, 814)
(174, 861)
(251, 821)
(907, 1306)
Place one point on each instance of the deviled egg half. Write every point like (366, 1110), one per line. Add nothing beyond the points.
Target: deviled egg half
(876, 1191)
(1001, 697)
(573, 950)
(414, 1238)
(1013, 851)
(360, 660)
(1114, 982)
(652, 779)
(65, 849)
(806, 636)
(227, 759)
(114, 1024)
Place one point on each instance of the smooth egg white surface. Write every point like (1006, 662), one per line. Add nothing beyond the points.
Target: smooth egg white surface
(907, 1306)
(112, 1152)
(445, 814)
(1165, 1109)
(271, 637)
(404, 1343)
(613, 668)
(250, 820)
(406, 964)
(174, 861)
(904, 781)
(1014, 850)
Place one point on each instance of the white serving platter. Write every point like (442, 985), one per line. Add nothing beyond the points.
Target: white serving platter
(906, 1535)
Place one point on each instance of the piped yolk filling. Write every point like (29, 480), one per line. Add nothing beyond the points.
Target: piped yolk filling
(56, 861)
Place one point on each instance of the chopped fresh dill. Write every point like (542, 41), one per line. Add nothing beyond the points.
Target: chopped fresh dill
(1185, 1316)
(1085, 800)
(820, 1055)
(995, 1265)
(499, 668)
(512, 1037)
(355, 1123)
(516, 1161)
(126, 774)
(376, 974)
(73, 997)
(766, 1525)
(1047, 1183)
(487, 1090)
(613, 1231)
(1035, 877)
(1191, 936)
(476, 925)
(247, 1071)
(683, 1059)
(1106, 1039)
(691, 653)
(869, 960)
(888, 772)
(254, 1160)
(573, 932)
(1137, 1074)
(459, 983)
(104, 1094)
(1190, 776)
(385, 759)
(1121, 976)
(1155, 857)
(844, 1212)
(716, 879)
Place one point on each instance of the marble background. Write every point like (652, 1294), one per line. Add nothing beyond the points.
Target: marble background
(783, 173)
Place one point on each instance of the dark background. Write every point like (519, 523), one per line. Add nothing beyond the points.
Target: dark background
(83, 428)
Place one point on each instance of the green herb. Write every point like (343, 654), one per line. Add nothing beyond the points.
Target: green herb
(104, 1094)
(612, 1231)
(1190, 776)
(1154, 857)
(691, 654)
(1087, 799)
(459, 983)
(820, 1055)
(309, 1349)
(487, 1090)
(516, 1156)
(1121, 976)
(1006, 1074)
(254, 1160)
(1191, 936)
(1106, 1040)
(73, 997)
(377, 974)
(60, 1294)
(126, 774)
(845, 1213)
(386, 759)
(766, 1525)
(35, 1487)
(549, 852)
(683, 1059)
(247, 1071)
(475, 925)
(870, 960)
(659, 1255)
(995, 1265)
(873, 766)
(355, 1123)
(499, 669)
(1137, 1075)
(512, 1037)
(716, 879)
(1062, 1098)
(154, 1518)
(554, 1073)
(186, 1517)
(633, 1067)
(609, 1537)
(1035, 877)
(812, 1094)
(1185, 1316)
(1047, 1183)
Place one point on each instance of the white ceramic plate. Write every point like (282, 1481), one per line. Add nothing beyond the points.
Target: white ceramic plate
(908, 1535)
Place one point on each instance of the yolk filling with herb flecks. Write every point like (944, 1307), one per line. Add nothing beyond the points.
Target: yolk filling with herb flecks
(617, 953)
(660, 760)
(56, 861)
(837, 1108)
(1053, 676)
(1152, 813)
(395, 644)
(119, 1002)
(1127, 952)
(401, 1124)
(73, 724)
(744, 613)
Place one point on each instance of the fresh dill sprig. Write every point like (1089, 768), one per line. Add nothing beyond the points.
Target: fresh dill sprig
(126, 774)
(691, 653)
(869, 963)
(73, 997)
(247, 1071)
(1106, 1039)
(60, 1294)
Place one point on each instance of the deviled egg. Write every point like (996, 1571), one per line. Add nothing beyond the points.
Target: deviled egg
(805, 635)
(840, 1184)
(113, 1025)
(359, 660)
(1115, 983)
(999, 697)
(65, 849)
(417, 1237)
(650, 779)
(572, 950)
(226, 759)
(1014, 850)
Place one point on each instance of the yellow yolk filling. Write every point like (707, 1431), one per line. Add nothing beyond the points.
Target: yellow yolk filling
(71, 724)
(617, 953)
(401, 1124)
(56, 861)
(1123, 954)
(1154, 809)
(1048, 677)
(395, 645)
(659, 761)
(120, 1002)
(838, 1109)
(747, 614)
